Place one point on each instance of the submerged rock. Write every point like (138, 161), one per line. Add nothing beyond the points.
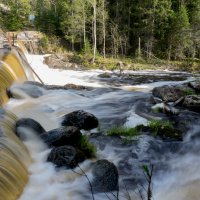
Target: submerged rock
(28, 124)
(20, 91)
(105, 75)
(66, 156)
(80, 119)
(68, 135)
(105, 177)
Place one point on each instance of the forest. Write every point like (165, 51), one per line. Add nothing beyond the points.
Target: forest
(164, 29)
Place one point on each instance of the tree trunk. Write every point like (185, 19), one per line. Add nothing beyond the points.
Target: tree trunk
(84, 32)
(169, 52)
(139, 48)
(72, 43)
(94, 30)
(104, 31)
(129, 20)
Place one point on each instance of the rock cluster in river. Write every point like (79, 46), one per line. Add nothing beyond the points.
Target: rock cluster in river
(70, 147)
(186, 95)
(35, 89)
(181, 104)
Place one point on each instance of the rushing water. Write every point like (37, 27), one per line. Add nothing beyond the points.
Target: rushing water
(114, 102)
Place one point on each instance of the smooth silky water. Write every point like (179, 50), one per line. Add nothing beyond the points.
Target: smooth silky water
(112, 106)
(14, 156)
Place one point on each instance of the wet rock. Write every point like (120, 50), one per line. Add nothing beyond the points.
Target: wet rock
(75, 87)
(193, 102)
(68, 135)
(105, 176)
(60, 61)
(168, 93)
(195, 85)
(20, 91)
(24, 124)
(105, 75)
(66, 87)
(66, 156)
(80, 119)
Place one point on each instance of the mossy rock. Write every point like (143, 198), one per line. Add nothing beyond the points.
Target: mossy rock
(164, 129)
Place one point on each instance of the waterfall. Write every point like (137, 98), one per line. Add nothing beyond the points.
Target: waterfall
(14, 159)
(14, 156)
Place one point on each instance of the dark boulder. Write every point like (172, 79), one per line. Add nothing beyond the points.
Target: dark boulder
(28, 124)
(68, 135)
(168, 93)
(66, 156)
(105, 75)
(80, 119)
(105, 176)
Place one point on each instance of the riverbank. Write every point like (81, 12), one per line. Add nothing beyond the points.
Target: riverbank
(84, 61)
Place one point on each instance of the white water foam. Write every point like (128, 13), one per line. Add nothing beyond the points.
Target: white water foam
(45, 183)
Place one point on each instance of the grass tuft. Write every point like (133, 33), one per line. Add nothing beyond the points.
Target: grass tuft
(164, 129)
(86, 147)
(122, 131)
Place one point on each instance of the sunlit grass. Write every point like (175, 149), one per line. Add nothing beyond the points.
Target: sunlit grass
(122, 131)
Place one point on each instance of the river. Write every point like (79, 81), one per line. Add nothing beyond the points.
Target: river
(114, 101)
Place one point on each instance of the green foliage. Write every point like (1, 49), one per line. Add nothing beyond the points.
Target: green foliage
(159, 125)
(87, 49)
(16, 18)
(164, 129)
(158, 110)
(86, 147)
(44, 42)
(189, 92)
(122, 131)
(167, 29)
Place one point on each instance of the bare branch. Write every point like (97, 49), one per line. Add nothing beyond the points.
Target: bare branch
(88, 181)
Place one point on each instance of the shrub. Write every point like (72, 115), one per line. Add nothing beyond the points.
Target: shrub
(44, 43)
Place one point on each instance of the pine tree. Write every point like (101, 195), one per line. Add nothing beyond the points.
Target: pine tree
(178, 38)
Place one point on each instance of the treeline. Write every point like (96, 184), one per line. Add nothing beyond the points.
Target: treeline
(167, 29)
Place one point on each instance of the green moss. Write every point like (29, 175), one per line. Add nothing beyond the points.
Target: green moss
(188, 92)
(86, 147)
(158, 110)
(122, 131)
(164, 129)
